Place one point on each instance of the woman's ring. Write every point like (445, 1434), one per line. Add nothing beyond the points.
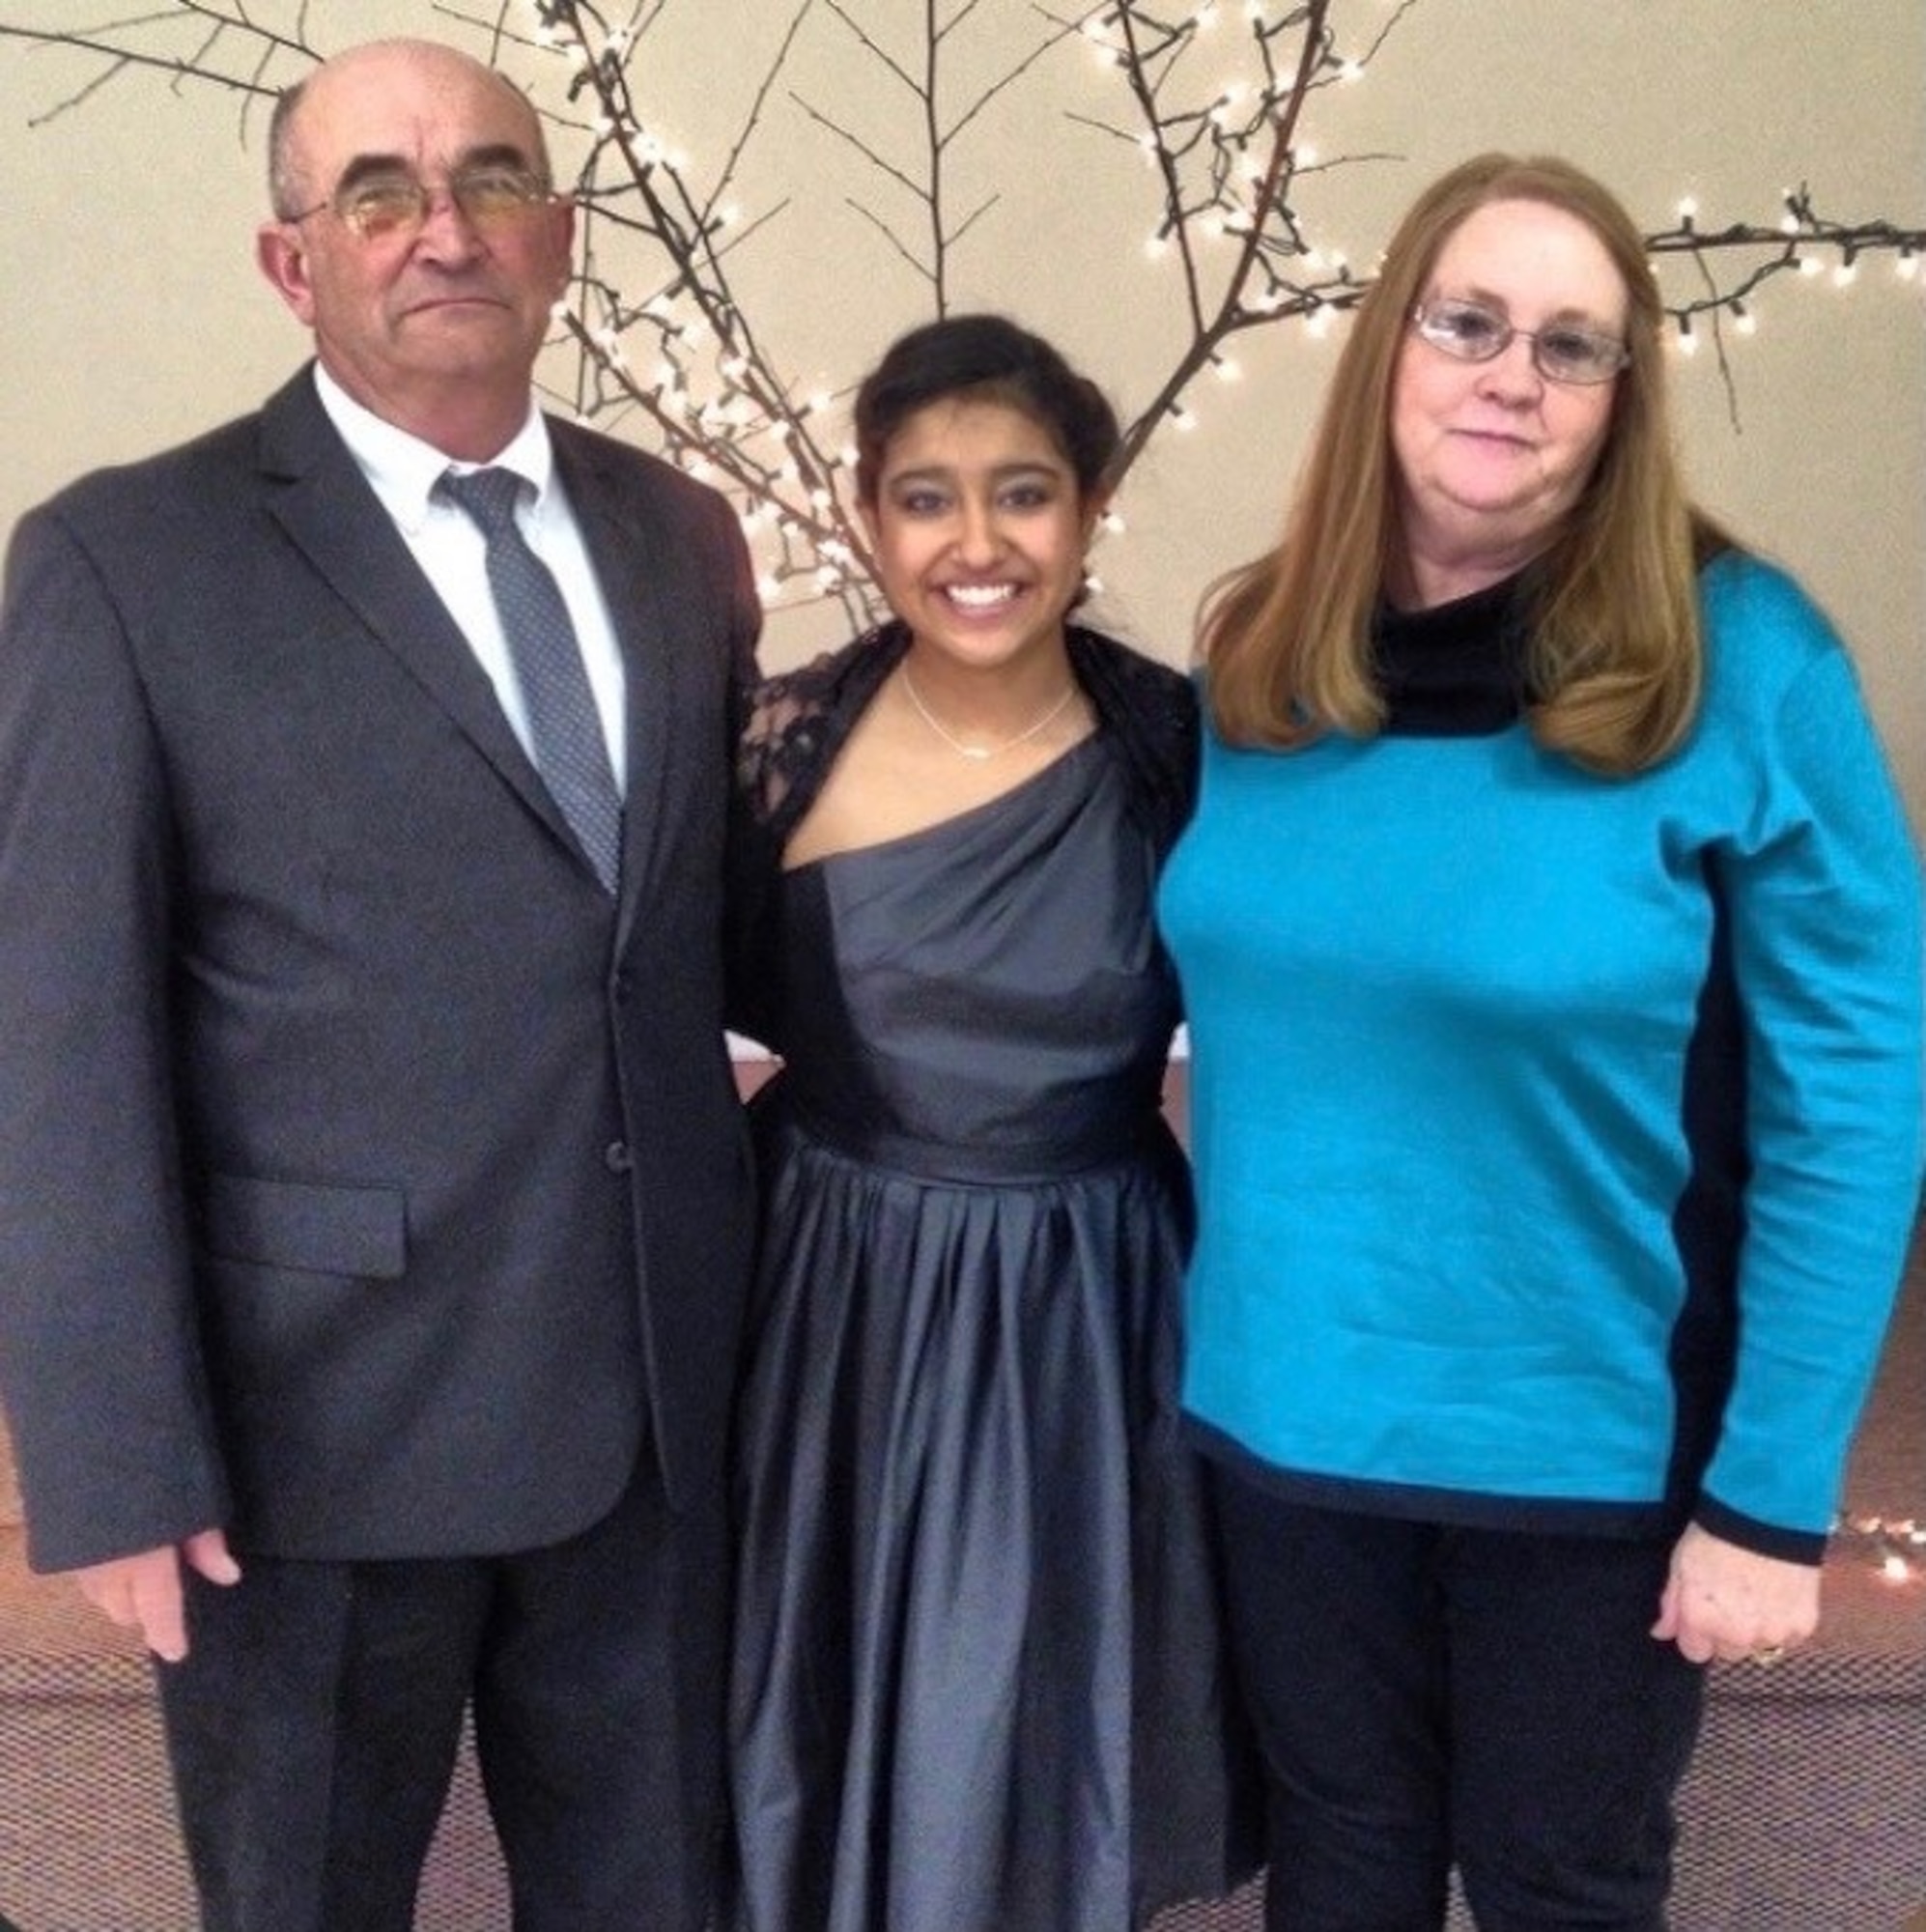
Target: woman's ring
(1771, 1654)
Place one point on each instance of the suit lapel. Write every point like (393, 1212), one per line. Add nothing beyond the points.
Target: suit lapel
(318, 494)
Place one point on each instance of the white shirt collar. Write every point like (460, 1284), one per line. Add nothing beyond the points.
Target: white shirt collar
(402, 469)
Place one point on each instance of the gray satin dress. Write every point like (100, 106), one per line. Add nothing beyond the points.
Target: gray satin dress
(978, 1684)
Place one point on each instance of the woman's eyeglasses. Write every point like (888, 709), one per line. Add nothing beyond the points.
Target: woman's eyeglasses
(1561, 353)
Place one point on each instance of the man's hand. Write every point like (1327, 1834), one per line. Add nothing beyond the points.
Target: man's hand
(143, 1592)
(1731, 1603)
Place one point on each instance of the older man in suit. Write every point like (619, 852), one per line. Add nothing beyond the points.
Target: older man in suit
(374, 1200)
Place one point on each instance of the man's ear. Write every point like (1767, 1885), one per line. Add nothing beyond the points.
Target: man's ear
(564, 241)
(282, 257)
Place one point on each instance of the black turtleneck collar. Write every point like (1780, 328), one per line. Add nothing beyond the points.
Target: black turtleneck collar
(1458, 670)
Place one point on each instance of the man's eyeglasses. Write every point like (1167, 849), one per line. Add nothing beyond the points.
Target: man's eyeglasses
(377, 207)
(1561, 353)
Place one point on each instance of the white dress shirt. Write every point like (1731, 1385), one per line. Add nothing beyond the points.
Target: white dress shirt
(448, 545)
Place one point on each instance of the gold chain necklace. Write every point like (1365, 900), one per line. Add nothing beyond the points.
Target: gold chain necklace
(977, 753)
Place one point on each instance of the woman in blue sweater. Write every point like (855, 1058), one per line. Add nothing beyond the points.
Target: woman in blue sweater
(1549, 936)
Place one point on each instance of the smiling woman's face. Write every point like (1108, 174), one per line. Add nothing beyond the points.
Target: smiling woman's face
(978, 531)
(1491, 456)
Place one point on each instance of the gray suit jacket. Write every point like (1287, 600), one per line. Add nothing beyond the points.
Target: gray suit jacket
(369, 1182)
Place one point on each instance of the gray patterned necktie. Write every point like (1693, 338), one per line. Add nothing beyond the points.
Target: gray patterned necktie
(571, 753)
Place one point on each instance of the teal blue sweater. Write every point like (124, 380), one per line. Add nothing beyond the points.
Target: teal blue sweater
(1557, 1137)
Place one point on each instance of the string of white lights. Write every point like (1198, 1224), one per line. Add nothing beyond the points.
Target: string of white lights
(1213, 100)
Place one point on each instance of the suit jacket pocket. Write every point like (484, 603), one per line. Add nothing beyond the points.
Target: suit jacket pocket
(295, 1224)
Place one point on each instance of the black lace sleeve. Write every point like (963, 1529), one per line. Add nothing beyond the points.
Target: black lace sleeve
(798, 721)
(1150, 712)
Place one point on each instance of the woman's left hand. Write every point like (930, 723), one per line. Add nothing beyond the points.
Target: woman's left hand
(1731, 1603)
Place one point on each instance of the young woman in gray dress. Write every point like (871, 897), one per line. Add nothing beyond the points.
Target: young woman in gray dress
(979, 1680)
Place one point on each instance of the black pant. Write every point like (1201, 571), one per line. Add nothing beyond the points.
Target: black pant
(1427, 1696)
(313, 1725)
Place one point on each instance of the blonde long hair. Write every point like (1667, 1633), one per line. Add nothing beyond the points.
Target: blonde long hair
(1615, 661)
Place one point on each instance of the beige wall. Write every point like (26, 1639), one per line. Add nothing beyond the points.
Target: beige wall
(134, 315)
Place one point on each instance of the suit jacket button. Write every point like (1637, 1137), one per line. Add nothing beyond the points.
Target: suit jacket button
(617, 1158)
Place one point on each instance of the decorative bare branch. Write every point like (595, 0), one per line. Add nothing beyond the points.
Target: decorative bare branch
(926, 180)
(125, 50)
(1225, 167)
(1228, 161)
(656, 332)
